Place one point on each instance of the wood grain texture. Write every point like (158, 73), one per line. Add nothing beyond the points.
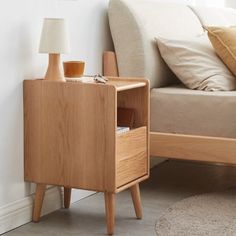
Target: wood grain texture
(110, 67)
(128, 185)
(135, 193)
(131, 155)
(190, 147)
(131, 143)
(139, 100)
(124, 83)
(38, 201)
(70, 143)
(132, 168)
(67, 197)
(110, 211)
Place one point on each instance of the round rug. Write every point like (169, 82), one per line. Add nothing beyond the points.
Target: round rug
(211, 214)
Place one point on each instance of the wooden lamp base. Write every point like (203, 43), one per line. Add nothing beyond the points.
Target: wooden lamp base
(55, 71)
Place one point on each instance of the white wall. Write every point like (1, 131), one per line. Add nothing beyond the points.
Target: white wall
(230, 3)
(20, 27)
(214, 3)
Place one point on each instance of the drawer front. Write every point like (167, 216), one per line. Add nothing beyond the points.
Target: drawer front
(132, 159)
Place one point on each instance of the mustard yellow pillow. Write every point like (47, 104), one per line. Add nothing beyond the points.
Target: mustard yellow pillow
(223, 39)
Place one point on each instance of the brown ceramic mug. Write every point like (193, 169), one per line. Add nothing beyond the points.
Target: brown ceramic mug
(73, 69)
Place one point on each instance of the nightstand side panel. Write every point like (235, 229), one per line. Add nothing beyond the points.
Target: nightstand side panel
(75, 141)
(136, 165)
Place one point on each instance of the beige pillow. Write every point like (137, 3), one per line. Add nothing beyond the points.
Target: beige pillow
(223, 40)
(196, 64)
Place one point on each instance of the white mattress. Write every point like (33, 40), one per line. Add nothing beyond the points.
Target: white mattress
(177, 109)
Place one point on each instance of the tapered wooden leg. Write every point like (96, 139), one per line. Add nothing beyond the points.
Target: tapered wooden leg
(135, 193)
(38, 201)
(110, 211)
(67, 197)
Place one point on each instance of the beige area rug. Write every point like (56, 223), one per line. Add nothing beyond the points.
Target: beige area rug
(211, 214)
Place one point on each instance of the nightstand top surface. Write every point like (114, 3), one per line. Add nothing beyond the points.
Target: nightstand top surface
(120, 83)
(126, 83)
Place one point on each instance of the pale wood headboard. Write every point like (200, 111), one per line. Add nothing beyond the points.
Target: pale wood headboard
(110, 67)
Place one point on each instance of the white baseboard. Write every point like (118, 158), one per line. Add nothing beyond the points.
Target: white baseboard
(80, 194)
(19, 212)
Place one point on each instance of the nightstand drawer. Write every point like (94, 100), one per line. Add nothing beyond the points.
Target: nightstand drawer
(132, 159)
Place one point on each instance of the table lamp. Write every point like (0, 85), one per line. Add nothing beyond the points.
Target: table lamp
(54, 41)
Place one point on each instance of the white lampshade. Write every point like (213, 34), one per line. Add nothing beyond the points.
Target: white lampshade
(54, 37)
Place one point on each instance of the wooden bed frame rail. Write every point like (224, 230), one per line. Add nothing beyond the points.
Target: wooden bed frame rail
(180, 146)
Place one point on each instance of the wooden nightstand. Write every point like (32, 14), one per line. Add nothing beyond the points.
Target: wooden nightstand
(70, 139)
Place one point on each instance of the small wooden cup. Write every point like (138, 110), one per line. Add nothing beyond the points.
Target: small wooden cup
(73, 69)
